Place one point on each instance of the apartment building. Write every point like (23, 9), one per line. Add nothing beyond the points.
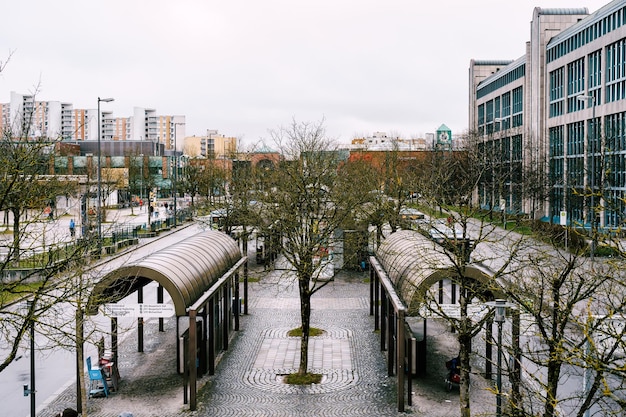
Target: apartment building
(214, 146)
(551, 124)
(27, 117)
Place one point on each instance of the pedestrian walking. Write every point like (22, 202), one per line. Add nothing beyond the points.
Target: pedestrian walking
(72, 228)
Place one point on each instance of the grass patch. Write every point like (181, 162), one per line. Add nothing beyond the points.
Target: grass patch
(313, 331)
(306, 379)
(14, 293)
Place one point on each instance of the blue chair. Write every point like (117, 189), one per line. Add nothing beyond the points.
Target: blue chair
(97, 382)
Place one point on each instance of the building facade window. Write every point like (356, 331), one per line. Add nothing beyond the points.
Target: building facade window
(518, 107)
(616, 71)
(506, 104)
(557, 88)
(594, 80)
(575, 85)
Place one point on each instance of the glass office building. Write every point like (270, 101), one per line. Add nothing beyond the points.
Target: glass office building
(552, 124)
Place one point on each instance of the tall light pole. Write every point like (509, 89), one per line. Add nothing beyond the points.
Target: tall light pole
(141, 178)
(99, 214)
(175, 171)
(592, 151)
(499, 317)
(30, 311)
(503, 199)
(227, 148)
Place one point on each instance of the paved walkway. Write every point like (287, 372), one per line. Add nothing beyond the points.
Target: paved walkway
(248, 378)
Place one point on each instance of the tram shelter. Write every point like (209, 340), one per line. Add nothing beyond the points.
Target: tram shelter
(407, 264)
(201, 275)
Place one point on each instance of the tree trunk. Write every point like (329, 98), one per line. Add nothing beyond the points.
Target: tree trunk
(305, 316)
(81, 397)
(16, 234)
(464, 387)
(554, 372)
(465, 343)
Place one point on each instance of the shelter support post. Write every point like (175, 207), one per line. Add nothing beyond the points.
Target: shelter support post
(203, 365)
(236, 301)
(179, 365)
(160, 301)
(372, 291)
(409, 348)
(193, 370)
(383, 321)
(185, 370)
(376, 300)
(140, 322)
(245, 288)
(391, 335)
(114, 338)
(211, 336)
(400, 357)
(488, 347)
(226, 323)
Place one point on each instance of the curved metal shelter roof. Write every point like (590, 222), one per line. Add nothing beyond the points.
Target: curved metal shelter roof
(414, 263)
(186, 270)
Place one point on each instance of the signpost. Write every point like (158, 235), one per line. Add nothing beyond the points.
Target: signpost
(138, 310)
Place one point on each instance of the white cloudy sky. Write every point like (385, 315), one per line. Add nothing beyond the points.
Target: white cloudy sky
(246, 66)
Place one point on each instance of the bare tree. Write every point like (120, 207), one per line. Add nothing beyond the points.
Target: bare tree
(569, 301)
(26, 187)
(308, 197)
(189, 181)
(136, 180)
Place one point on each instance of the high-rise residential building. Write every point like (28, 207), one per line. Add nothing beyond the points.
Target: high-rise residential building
(551, 124)
(27, 117)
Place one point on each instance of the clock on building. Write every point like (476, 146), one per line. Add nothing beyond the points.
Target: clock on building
(443, 137)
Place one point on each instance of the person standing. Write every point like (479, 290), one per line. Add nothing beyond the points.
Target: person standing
(48, 212)
(72, 228)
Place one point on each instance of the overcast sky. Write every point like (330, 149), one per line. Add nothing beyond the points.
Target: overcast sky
(246, 66)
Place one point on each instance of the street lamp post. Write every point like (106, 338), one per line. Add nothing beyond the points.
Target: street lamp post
(141, 179)
(99, 214)
(592, 151)
(30, 311)
(227, 148)
(175, 171)
(500, 314)
(504, 195)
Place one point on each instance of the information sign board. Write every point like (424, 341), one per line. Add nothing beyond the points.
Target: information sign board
(138, 310)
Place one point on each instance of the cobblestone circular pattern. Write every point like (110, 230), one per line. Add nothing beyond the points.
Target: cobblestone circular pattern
(234, 388)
